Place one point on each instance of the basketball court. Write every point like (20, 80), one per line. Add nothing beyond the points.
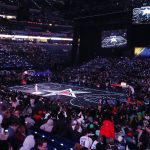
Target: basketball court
(74, 95)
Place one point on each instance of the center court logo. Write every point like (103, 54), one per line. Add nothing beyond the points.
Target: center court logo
(67, 92)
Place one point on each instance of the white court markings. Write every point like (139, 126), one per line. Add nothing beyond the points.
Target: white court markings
(94, 98)
(90, 95)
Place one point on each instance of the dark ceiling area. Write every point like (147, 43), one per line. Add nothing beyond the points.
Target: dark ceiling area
(78, 8)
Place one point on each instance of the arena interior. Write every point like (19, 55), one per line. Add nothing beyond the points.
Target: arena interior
(74, 74)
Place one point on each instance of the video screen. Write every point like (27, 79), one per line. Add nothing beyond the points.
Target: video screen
(141, 15)
(114, 38)
(142, 51)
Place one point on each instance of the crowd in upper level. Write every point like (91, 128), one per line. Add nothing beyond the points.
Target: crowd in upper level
(29, 55)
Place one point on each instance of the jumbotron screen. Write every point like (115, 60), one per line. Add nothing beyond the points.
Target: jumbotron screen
(141, 15)
(114, 38)
(142, 51)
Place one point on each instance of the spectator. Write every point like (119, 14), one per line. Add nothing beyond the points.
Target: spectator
(111, 145)
(85, 140)
(28, 143)
(41, 145)
(48, 126)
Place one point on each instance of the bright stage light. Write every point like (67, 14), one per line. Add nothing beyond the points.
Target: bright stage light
(37, 93)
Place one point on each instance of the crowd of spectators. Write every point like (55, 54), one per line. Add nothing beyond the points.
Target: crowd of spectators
(108, 127)
(123, 126)
(27, 55)
(103, 72)
(21, 113)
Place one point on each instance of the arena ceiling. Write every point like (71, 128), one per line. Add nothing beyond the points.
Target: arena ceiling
(76, 8)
